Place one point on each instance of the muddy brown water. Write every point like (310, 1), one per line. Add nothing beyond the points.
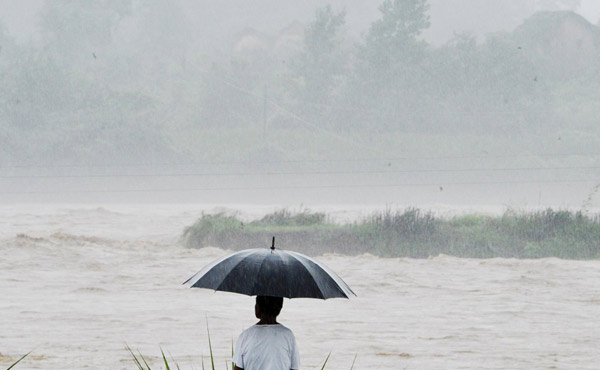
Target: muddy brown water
(77, 283)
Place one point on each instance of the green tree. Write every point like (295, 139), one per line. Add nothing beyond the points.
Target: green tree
(456, 67)
(490, 87)
(390, 78)
(393, 39)
(163, 31)
(320, 68)
(75, 27)
(77, 56)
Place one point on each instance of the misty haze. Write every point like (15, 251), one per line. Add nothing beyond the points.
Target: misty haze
(441, 156)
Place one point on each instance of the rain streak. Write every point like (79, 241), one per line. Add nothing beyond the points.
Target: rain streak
(344, 184)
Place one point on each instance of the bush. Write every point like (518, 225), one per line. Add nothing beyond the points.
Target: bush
(411, 233)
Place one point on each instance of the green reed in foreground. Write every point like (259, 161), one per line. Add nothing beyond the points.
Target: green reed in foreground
(140, 361)
(142, 364)
(19, 360)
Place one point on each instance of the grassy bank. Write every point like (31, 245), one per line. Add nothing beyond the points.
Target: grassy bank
(409, 233)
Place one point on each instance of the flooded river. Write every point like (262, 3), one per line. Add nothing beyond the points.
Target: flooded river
(77, 283)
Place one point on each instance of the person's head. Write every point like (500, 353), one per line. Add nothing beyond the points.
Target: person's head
(267, 306)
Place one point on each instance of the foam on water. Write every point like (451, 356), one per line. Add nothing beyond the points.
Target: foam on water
(77, 283)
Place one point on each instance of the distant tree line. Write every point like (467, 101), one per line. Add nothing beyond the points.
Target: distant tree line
(116, 77)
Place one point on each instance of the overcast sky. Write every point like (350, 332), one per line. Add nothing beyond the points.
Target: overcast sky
(19, 17)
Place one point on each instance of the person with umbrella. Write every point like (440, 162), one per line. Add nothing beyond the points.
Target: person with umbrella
(269, 275)
(267, 344)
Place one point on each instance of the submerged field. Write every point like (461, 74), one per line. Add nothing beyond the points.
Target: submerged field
(409, 233)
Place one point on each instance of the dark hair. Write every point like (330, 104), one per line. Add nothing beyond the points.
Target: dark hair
(269, 306)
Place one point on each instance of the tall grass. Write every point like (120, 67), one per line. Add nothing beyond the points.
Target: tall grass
(286, 217)
(142, 364)
(19, 360)
(410, 233)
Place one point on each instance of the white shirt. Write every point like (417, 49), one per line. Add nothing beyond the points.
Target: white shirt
(267, 347)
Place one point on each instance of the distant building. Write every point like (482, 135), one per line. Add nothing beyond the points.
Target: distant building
(568, 39)
(252, 43)
(290, 38)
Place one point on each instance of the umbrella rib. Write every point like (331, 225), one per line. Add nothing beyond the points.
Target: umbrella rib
(284, 282)
(202, 274)
(257, 274)
(336, 286)
(341, 284)
(205, 269)
(231, 271)
(309, 272)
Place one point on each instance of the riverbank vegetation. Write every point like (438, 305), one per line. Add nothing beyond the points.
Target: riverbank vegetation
(409, 233)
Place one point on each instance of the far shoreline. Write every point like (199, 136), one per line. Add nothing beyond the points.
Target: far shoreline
(409, 232)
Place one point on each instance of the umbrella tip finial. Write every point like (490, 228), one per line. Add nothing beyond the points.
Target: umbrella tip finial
(273, 244)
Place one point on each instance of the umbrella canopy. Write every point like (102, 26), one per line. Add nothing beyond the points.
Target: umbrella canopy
(271, 272)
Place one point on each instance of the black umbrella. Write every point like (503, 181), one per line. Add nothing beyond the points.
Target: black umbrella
(271, 272)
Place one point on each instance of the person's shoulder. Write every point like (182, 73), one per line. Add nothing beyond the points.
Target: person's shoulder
(251, 329)
(285, 329)
(248, 331)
